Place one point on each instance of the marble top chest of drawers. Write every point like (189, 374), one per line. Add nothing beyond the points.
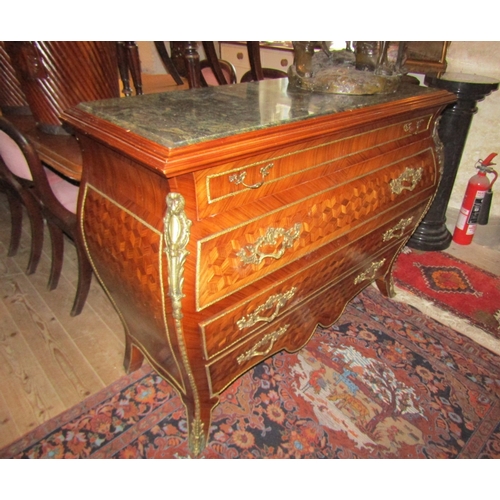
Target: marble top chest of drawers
(226, 223)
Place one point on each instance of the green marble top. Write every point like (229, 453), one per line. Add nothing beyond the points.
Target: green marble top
(178, 118)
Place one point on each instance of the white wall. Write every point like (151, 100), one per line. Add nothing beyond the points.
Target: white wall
(150, 60)
(480, 58)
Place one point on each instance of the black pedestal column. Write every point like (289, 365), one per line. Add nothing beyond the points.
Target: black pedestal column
(432, 233)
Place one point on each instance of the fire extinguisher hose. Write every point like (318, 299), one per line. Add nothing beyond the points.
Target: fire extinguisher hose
(484, 214)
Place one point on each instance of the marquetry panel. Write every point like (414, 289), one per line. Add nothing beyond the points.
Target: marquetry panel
(132, 248)
(223, 331)
(223, 187)
(221, 267)
(131, 253)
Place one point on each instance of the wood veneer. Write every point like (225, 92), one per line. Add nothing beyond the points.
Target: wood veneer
(209, 276)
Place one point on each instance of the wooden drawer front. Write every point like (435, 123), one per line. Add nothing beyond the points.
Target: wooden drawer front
(231, 259)
(233, 184)
(234, 325)
(292, 330)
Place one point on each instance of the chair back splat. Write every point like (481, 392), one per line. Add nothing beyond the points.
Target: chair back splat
(167, 62)
(211, 71)
(57, 75)
(257, 72)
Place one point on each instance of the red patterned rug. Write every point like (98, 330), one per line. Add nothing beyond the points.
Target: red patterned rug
(385, 381)
(456, 286)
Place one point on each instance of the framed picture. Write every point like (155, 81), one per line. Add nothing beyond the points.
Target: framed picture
(426, 57)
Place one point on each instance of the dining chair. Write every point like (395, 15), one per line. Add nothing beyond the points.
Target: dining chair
(222, 71)
(57, 75)
(210, 71)
(46, 195)
(168, 63)
(257, 72)
(208, 77)
(16, 203)
(129, 63)
(17, 197)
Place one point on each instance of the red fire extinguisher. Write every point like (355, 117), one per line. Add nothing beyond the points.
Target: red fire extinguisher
(476, 201)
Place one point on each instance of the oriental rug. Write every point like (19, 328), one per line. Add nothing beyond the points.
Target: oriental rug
(385, 381)
(453, 285)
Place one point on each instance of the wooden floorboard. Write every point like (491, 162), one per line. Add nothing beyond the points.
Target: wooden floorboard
(8, 426)
(49, 361)
(29, 396)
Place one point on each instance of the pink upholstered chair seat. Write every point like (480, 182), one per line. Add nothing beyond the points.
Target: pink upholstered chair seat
(210, 79)
(13, 157)
(64, 191)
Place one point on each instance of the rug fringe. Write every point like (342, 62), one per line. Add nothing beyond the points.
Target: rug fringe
(458, 324)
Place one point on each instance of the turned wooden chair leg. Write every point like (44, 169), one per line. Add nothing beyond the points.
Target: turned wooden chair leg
(134, 63)
(57, 243)
(84, 280)
(123, 68)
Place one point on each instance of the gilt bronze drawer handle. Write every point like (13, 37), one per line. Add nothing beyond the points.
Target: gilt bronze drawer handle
(370, 273)
(251, 254)
(240, 178)
(269, 338)
(411, 176)
(398, 230)
(278, 301)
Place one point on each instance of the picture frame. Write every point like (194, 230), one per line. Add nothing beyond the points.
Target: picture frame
(426, 57)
